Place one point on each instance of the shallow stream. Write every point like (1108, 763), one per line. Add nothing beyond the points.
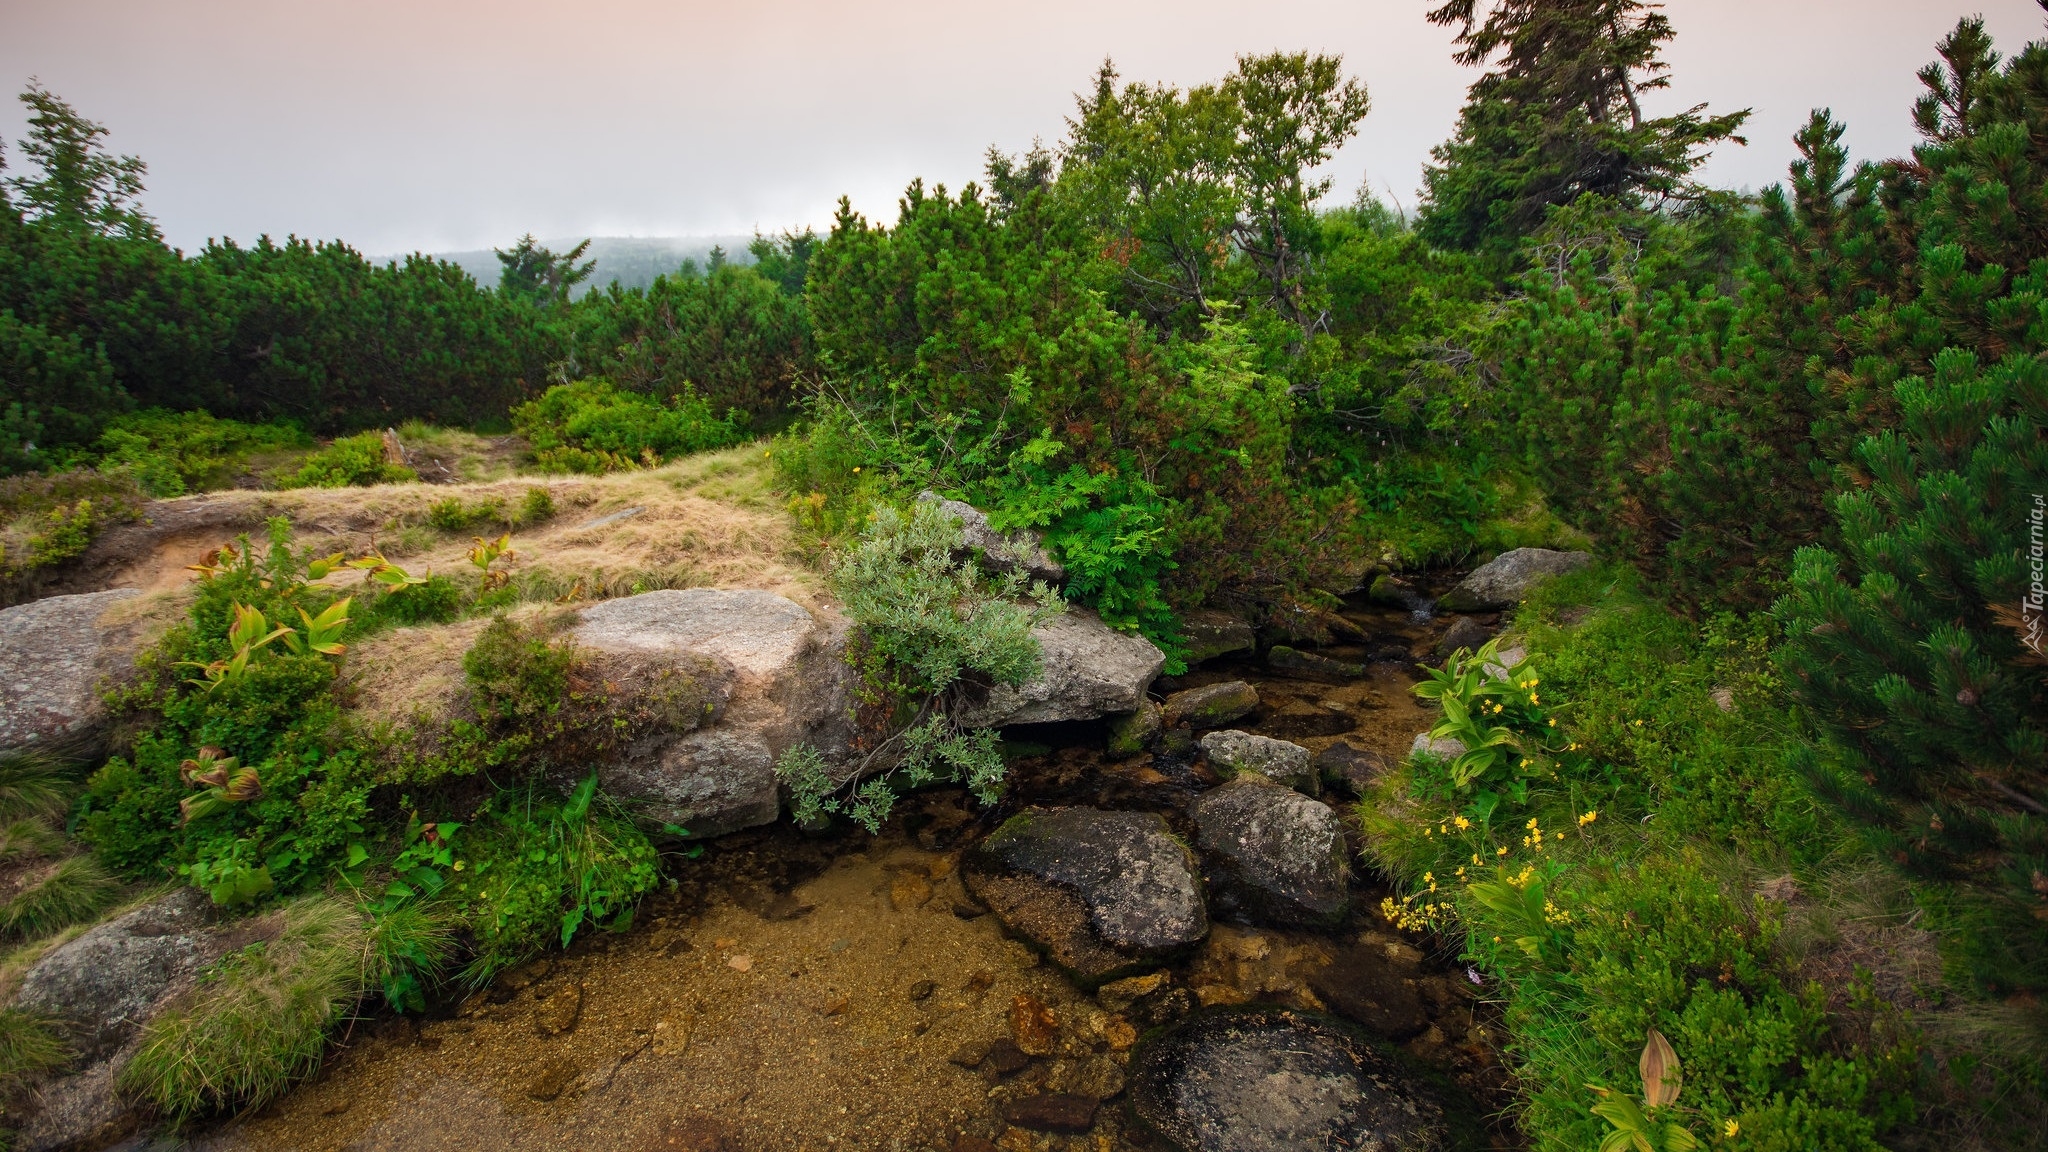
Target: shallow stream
(844, 991)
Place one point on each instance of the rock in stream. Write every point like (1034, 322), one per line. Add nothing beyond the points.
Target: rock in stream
(1275, 1080)
(1104, 894)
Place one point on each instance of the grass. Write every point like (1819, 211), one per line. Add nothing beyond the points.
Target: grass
(57, 895)
(28, 1048)
(257, 1021)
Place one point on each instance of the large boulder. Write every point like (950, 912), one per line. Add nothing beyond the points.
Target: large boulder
(101, 989)
(771, 676)
(1504, 580)
(54, 654)
(1018, 551)
(1274, 855)
(1232, 752)
(1274, 1080)
(1104, 894)
(1087, 670)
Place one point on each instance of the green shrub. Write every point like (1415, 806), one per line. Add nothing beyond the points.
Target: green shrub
(592, 426)
(534, 870)
(536, 507)
(172, 453)
(935, 634)
(435, 600)
(257, 1021)
(350, 462)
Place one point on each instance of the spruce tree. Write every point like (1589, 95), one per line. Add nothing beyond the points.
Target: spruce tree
(1918, 642)
(1558, 116)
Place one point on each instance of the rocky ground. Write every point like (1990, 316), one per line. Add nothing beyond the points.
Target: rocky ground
(1157, 938)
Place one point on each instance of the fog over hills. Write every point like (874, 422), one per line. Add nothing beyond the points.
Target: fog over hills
(633, 261)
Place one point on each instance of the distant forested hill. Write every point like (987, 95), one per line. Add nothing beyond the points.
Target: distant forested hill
(634, 261)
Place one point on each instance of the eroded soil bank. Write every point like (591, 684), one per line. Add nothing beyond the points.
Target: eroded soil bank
(844, 991)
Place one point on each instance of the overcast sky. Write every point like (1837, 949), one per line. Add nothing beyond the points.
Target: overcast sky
(449, 124)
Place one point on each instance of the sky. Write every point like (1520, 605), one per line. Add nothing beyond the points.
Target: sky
(434, 125)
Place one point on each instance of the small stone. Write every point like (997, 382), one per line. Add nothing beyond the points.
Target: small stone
(1393, 591)
(1133, 732)
(1017, 1140)
(966, 911)
(740, 963)
(1207, 633)
(1004, 1057)
(972, 1053)
(1212, 705)
(691, 1134)
(1066, 1112)
(1233, 752)
(836, 1006)
(923, 989)
(909, 892)
(980, 980)
(1299, 665)
(1097, 1078)
(1348, 768)
(967, 1143)
(724, 942)
(1119, 995)
(1464, 632)
(558, 1012)
(1120, 1035)
(1444, 748)
(553, 1079)
(1724, 699)
(1033, 1025)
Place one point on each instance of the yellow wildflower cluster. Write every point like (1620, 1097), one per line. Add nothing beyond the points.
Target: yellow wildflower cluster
(1588, 818)
(1409, 916)
(1535, 837)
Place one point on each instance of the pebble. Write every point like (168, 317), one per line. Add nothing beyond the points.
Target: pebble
(923, 989)
(553, 1079)
(740, 962)
(1033, 1025)
(1068, 1112)
(559, 1011)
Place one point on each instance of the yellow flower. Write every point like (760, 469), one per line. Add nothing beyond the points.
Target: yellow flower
(1501, 851)
(1531, 825)
(1729, 1128)
(857, 472)
(1639, 723)
(1427, 877)
(1553, 722)
(1557, 835)
(1475, 857)
(1588, 818)
(1461, 822)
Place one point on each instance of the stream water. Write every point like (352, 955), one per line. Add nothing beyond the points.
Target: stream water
(798, 992)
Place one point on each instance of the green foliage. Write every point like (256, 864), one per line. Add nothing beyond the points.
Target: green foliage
(538, 278)
(936, 634)
(257, 1021)
(536, 870)
(172, 453)
(1558, 116)
(737, 337)
(350, 462)
(1916, 641)
(594, 426)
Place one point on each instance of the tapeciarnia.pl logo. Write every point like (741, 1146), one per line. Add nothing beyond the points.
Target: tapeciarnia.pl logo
(2034, 606)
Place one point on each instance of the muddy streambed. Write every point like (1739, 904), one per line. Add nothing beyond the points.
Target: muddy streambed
(800, 992)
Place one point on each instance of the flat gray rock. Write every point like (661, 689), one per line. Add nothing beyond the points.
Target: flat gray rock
(777, 677)
(1018, 551)
(1274, 1080)
(1087, 670)
(1504, 580)
(1104, 894)
(53, 656)
(1274, 856)
(1444, 748)
(1280, 761)
(1212, 705)
(1207, 634)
